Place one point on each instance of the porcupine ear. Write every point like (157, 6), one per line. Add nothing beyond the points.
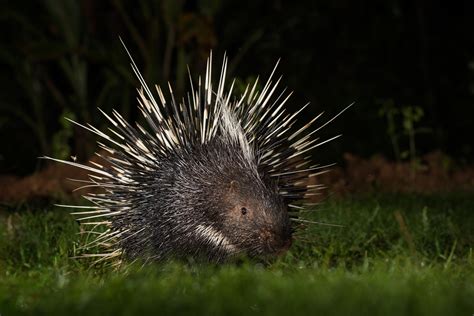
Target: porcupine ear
(233, 186)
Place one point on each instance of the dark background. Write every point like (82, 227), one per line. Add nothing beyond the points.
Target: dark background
(64, 58)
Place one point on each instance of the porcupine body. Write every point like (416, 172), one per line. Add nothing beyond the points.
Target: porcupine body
(210, 176)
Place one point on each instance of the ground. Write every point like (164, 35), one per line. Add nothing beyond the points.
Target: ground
(396, 254)
(433, 172)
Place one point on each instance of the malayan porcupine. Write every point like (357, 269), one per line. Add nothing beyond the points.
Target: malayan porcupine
(209, 176)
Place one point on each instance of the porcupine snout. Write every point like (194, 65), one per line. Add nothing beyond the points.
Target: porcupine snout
(277, 241)
(276, 235)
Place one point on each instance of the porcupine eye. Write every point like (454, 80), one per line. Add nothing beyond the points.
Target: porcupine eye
(243, 210)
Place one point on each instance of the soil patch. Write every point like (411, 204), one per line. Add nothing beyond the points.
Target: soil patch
(433, 173)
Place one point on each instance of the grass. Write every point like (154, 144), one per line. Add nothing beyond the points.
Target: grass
(395, 255)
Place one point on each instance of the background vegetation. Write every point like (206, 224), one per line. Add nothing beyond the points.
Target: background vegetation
(399, 60)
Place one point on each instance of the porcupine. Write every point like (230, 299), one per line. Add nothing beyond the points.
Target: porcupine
(210, 176)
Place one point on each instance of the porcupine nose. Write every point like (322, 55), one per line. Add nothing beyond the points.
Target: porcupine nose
(277, 243)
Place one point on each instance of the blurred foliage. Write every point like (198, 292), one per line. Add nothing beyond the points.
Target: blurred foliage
(402, 121)
(67, 61)
(64, 58)
(390, 113)
(59, 145)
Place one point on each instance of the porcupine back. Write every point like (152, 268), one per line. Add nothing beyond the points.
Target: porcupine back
(208, 176)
